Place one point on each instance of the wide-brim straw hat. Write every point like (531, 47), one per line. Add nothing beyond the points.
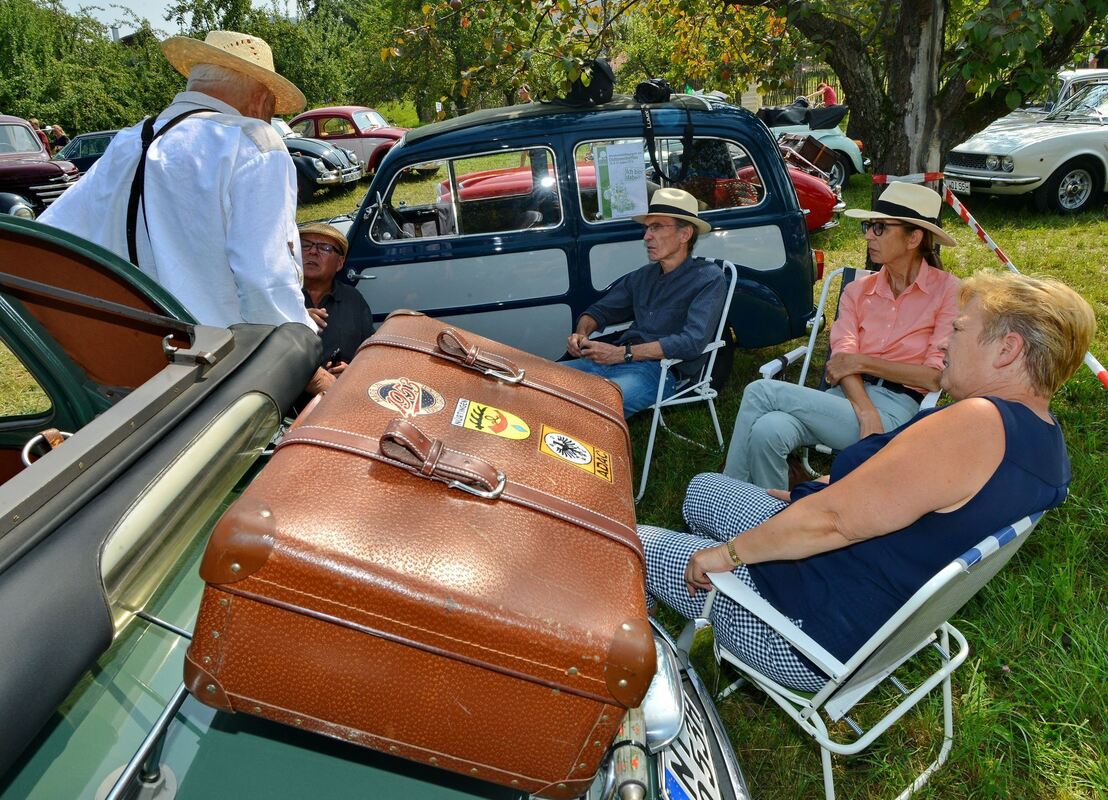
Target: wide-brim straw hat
(330, 231)
(676, 203)
(240, 52)
(911, 203)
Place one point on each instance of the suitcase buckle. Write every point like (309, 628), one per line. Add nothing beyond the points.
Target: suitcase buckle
(488, 495)
(506, 377)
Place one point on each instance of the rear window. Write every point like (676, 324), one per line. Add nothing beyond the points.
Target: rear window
(613, 184)
(499, 192)
(335, 126)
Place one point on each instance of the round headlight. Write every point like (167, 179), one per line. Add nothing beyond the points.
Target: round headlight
(992, 162)
(1007, 164)
(320, 167)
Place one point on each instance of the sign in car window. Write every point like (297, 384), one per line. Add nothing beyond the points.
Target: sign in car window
(620, 180)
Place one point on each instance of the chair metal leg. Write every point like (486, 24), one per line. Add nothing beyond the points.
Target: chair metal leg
(948, 734)
(825, 759)
(649, 452)
(715, 421)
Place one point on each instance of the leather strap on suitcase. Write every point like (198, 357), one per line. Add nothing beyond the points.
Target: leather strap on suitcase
(405, 446)
(452, 345)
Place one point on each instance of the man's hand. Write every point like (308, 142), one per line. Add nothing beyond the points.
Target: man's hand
(710, 559)
(319, 316)
(780, 494)
(573, 345)
(321, 381)
(336, 369)
(842, 364)
(869, 421)
(602, 352)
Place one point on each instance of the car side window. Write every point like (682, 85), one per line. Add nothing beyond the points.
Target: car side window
(335, 126)
(22, 395)
(304, 127)
(500, 192)
(720, 174)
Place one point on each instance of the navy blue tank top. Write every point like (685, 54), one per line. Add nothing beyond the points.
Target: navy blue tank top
(842, 597)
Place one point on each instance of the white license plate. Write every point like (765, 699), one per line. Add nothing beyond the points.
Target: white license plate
(353, 176)
(957, 186)
(687, 767)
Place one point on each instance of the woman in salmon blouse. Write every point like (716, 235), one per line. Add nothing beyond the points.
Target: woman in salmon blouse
(885, 347)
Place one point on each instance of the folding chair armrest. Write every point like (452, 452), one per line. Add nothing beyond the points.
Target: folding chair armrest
(716, 345)
(783, 362)
(746, 597)
(620, 326)
(930, 400)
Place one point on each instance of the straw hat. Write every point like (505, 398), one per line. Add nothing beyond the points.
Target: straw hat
(330, 231)
(676, 203)
(240, 52)
(911, 203)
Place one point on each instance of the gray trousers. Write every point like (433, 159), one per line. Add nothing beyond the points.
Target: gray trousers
(776, 417)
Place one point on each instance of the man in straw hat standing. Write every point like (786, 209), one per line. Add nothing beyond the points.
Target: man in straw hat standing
(203, 198)
(674, 302)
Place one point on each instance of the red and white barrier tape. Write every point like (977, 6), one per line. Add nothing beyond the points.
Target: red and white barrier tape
(968, 218)
(919, 177)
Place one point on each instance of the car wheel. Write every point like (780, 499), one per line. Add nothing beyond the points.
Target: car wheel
(841, 170)
(1072, 188)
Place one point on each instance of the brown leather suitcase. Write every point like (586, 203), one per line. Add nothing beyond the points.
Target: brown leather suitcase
(439, 562)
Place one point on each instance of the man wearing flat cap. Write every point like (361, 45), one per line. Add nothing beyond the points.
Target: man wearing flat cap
(203, 197)
(341, 311)
(673, 303)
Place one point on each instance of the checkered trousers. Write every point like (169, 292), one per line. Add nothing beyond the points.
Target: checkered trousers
(716, 508)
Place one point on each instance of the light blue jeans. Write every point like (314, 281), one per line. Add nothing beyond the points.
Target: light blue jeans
(776, 417)
(638, 380)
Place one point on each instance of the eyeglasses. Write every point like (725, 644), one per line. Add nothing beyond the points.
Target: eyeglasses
(879, 228)
(307, 245)
(654, 227)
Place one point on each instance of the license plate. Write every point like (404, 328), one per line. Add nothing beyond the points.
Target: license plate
(353, 176)
(687, 766)
(957, 186)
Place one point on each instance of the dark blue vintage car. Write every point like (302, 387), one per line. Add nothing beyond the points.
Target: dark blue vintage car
(510, 238)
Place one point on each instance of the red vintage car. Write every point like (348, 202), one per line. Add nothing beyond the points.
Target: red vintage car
(29, 180)
(817, 198)
(356, 128)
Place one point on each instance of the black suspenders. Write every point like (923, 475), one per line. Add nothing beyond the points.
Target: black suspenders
(148, 136)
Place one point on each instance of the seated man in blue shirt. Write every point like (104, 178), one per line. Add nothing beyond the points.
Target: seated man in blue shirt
(674, 302)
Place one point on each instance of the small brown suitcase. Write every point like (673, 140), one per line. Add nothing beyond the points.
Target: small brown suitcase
(439, 562)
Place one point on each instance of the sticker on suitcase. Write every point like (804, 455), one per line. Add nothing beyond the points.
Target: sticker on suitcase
(408, 397)
(573, 451)
(474, 416)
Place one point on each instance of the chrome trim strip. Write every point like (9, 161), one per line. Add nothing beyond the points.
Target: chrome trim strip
(990, 178)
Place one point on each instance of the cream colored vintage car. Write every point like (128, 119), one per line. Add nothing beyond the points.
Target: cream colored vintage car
(1061, 160)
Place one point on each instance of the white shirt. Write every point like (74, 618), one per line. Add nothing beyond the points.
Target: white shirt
(220, 199)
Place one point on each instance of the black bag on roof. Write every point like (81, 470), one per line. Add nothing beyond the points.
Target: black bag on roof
(653, 90)
(600, 87)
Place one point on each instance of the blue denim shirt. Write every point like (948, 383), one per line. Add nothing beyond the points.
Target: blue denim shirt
(679, 310)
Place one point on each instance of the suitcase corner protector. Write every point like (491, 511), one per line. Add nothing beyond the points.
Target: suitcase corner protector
(241, 543)
(631, 662)
(204, 686)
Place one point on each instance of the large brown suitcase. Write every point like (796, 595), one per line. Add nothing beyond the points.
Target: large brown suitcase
(439, 562)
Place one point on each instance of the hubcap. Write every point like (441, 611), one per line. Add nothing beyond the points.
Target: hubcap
(1075, 188)
(837, 176)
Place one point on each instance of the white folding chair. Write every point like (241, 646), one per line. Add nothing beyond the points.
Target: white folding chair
(903, 640)
(694, 389)
(775, 369)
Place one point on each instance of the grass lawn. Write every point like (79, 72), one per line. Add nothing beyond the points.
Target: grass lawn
(1030, 700)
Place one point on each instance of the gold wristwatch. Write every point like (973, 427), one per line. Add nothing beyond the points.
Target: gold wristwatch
(735, 559)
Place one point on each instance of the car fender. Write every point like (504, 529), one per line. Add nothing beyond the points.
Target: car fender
(10, 202)
(378, 155)
(836, 140)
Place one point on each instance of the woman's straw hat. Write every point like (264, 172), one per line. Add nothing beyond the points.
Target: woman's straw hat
(240, 52)
(908, 202)
(675, 203)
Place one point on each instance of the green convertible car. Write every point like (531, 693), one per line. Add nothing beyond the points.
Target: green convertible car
(125, 430)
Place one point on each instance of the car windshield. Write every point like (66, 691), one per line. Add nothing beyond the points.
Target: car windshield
(368, 120)
(282, 128)
(1089, 104)
(18, 139)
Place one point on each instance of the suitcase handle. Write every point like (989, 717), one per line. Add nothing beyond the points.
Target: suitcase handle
(404, 442)
(455, 346)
